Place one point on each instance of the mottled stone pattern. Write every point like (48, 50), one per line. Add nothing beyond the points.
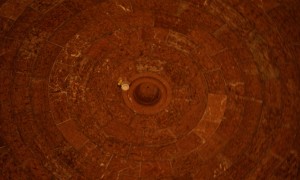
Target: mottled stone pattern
(233, 68)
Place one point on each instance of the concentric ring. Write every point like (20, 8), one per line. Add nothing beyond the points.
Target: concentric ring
(214, 90)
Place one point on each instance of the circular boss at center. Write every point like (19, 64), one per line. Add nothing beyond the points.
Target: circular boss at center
(149, 93)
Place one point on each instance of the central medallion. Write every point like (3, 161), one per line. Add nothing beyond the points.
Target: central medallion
(149, 93)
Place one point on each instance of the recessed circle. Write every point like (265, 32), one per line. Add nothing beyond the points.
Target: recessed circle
(149, 93)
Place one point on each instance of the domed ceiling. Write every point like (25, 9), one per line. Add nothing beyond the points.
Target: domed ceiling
(149, 89)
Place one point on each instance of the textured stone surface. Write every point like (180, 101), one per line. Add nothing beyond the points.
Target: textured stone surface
(232, 67)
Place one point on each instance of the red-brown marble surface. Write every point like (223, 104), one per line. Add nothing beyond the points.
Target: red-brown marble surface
(233, 67)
